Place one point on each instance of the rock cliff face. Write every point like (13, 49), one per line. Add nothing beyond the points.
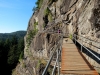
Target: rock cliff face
(81, 17)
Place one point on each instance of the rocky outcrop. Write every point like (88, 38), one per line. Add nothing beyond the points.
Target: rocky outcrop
(81, 17)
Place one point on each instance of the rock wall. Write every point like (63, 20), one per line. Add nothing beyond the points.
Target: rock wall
(81, 17)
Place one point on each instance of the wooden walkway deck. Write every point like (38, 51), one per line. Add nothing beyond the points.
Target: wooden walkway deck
(73, 61)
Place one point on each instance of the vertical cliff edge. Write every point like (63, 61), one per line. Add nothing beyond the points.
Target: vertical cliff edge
(81, 17)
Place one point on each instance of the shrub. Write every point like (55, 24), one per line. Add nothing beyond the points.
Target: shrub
(50, 17)
(32, 33)
(29, 37)
(70, 36)
(35, 28)
(41, 61)
(48, 13)
(39, 3)
(21, 55)
(34, 9)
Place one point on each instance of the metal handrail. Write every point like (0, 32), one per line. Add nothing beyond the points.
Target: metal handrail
(56, 63)
(86, 48)
(46, 68)
(88, 38)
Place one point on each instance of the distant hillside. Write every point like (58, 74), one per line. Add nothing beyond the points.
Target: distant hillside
(18, 34)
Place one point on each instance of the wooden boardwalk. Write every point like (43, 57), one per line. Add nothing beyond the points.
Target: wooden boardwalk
(73, 61)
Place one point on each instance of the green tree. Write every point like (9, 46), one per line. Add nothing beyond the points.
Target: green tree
(14, 40)
(20, 51)
(12, 53)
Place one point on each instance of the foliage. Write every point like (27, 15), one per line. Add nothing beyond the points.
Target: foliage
(47, 11)
(70, 36)
(44, 25)
(50, 17)
(32, 33)
(20, 48)
(47, 16)
(34, 9)
(29, 37)
(38, 64)
(41, 61)
(10, 51)
(21, 55)
(35, 28)
(19, 34)
(39, 3)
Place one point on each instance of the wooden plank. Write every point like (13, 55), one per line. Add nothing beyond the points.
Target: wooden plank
(65, 55)
(71, 52)
(68, 62)
(83, 72)
(75, 67)
(73, 62)
(69, 47)
(72, 58)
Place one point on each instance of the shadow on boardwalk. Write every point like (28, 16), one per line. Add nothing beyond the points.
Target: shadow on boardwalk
(88, 53)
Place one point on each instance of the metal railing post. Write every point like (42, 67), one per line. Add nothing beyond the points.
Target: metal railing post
(75, 39)
(81, 48)
(89, 50)
(54, 49)
(46, 68)
(98, 53)
(81, 45)
(58, 62)
(53, 72)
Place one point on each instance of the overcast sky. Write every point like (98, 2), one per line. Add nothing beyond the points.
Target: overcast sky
(15, 14)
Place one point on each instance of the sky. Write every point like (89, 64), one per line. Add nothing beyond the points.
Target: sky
(15, 14)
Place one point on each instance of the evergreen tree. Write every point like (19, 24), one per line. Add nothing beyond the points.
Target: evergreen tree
(20, 48)
(10, 51)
